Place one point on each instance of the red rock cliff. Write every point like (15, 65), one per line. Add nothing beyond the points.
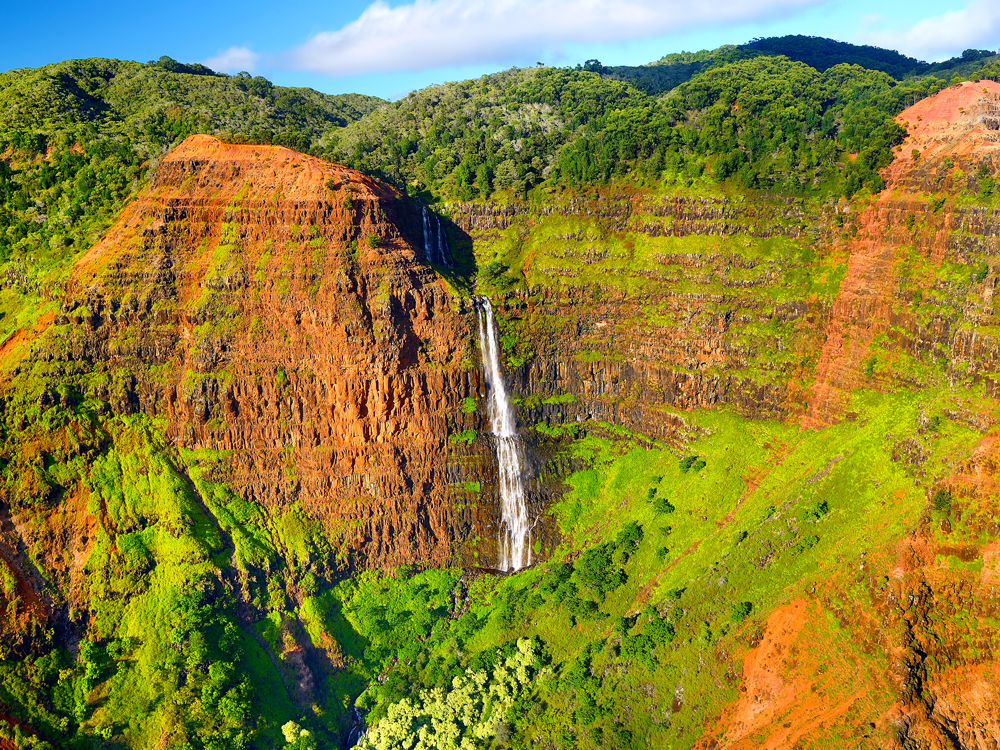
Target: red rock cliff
(950, 135)
(270, 305)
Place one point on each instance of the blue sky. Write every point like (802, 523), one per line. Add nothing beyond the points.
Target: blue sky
(389, 48)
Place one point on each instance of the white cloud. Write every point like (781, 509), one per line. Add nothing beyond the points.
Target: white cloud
(977, 25)
(429, 34)
(234, 60)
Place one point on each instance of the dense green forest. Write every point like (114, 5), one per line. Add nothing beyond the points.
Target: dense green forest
(823, 53)
(764, 121)
(77, 138)
(817, 52)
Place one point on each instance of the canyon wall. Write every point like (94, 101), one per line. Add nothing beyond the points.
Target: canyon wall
(275, 308)
(644, 306)
(273, 317)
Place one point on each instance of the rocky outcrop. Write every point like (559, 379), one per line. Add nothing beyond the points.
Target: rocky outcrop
(637, 211)
(274, 308)
(950, 141)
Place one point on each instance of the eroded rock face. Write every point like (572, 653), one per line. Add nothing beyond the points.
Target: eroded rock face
(951, 139)
(622, 314)
(936, 687)
(733, 325)
(272, 306)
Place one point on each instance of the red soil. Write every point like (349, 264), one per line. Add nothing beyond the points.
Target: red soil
(224, 174)
(13, 347)
(955, 121)
(786, 695)
(958, 122)
(327, 365)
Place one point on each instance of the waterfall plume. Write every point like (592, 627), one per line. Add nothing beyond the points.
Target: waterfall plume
(435, 240)
(515, 531)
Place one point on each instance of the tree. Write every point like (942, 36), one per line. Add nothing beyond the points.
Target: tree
(740, 611)
(298, 738)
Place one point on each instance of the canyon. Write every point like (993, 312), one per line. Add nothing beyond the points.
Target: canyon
(304, 338)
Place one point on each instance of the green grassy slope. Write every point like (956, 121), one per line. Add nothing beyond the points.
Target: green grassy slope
(666, 572)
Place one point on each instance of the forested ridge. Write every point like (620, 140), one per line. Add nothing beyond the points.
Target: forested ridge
(77, 137)
(763, 121)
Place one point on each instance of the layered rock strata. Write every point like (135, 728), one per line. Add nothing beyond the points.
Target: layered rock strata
(273, 307)
(953, 137)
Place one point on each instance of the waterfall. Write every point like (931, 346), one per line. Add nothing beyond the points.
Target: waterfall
(358, 729)
(435, 240)
(515, 532)
(430, 249)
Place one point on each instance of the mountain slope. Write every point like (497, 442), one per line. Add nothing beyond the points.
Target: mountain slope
(130, 97)
(245, 387)
(728, 578)
(77, 139)
(540, 130)
(823, 54)
(243, 442)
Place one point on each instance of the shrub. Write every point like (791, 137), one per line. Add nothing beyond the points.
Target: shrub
(692, 463)
(816, 510)
(559, 574)
(624, 624)
(309, 584)
(495, 273)
(739, 612)
(513, 607)
(663, 505)
(465, 436)
(621, 737)
(628, 539)
(566, 590)
(942, 500)
(870, 368)
(584, 609)
(596, 571)
(807, 543)
(660, 631)
(986, 188)
(636, 647)
(488, 660)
